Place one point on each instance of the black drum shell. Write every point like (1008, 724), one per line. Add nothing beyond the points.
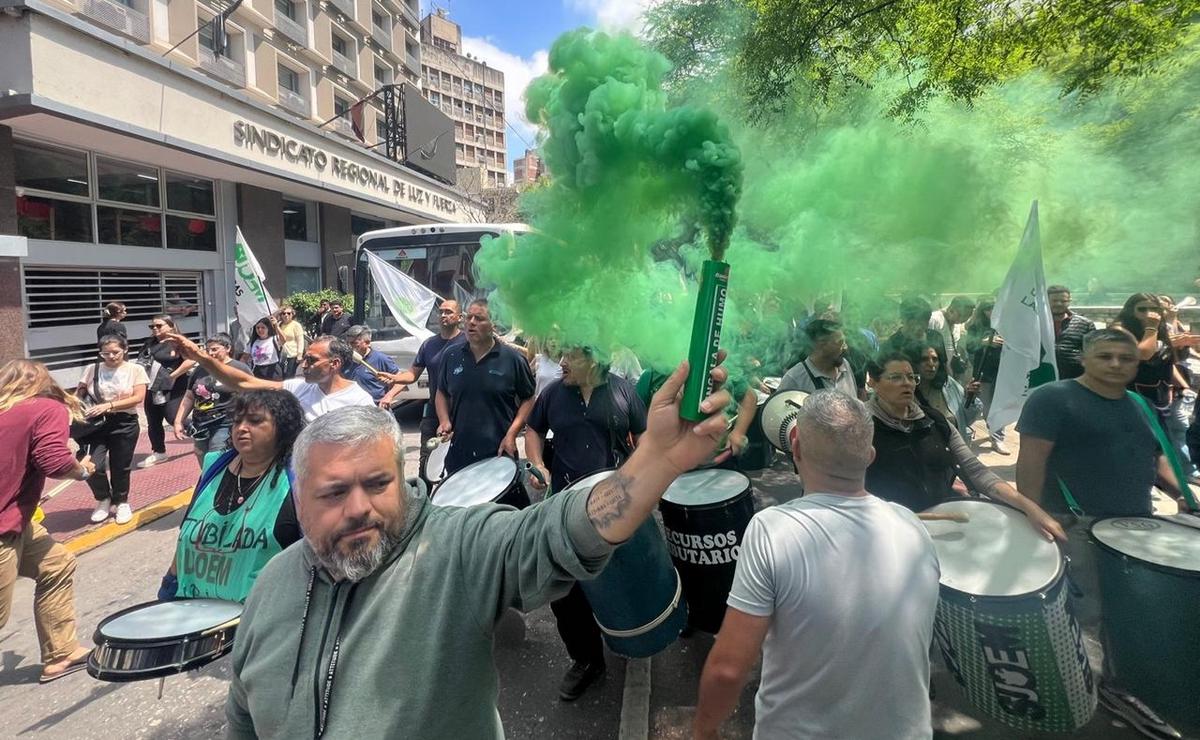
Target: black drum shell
(132, 659)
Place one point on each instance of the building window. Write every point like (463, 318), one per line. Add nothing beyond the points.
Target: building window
(126, 182)
(190, 194)
(340, 46)
(341, 106)
(208, 40)
(39, 217)
(377, 19)
(382, 75)
(51, 169)
(295, 221)
(360, 225)
(289, 79)
(303, 279)
(381, 128)
(286, 7)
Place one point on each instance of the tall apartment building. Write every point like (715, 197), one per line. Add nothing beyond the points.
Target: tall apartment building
(527, 169)
(131, 150)
(470, 92)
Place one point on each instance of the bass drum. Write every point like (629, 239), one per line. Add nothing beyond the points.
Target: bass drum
(638, 598)
(1004, 624)
(1149, 571)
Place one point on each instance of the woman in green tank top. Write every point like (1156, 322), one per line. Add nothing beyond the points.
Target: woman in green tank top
(242, 511)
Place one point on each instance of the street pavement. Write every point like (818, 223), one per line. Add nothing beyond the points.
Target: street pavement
(529, 657)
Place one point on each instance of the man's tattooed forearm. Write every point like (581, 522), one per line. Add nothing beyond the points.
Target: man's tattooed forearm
(609, 500)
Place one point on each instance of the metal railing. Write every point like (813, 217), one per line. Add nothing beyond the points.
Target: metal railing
(222, 67)
(294, 30)
(294, 102)
(345, 65)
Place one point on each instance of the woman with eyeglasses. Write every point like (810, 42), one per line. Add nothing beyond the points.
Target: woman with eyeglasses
(242, 512)
(112, 390)
(291, 335)
(167, 370)
(919, 454)
(263, 354)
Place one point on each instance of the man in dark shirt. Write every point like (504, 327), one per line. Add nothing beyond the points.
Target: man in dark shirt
(914, 333)
(1088, 451)
(429, 358)
(485, 393)
(337, 322)
(1069, 329)
(318, 320)
(596, 418)
(359, 339)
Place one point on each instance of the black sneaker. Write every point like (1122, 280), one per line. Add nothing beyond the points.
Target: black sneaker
(577, 680)
(1139, 716)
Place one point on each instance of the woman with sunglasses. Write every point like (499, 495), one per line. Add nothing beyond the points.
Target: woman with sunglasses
(1158, 378)
(919, 454)
(291, 335)
(112, 390)
(167, 370)
(242, 512)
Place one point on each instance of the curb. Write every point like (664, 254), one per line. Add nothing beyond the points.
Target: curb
(110, 531)
(635, 701)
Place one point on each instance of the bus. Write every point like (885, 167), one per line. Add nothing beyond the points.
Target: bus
(438, 256)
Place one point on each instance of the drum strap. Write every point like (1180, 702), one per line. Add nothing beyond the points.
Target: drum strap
(1168, 451)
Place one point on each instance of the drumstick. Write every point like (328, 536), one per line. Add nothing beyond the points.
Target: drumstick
(933, 516)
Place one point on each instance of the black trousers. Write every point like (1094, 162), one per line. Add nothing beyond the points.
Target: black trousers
(111, 447)
(156, 414)
(289, 366)
(577, 627)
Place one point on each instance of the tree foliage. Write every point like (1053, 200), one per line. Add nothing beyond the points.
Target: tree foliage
(953, 48)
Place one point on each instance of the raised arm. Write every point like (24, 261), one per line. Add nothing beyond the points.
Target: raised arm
(236, 379)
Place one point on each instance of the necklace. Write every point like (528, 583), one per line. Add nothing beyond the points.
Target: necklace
(241, 497)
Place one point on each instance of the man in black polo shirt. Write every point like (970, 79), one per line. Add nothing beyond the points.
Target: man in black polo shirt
(596, 418)
(484, 395)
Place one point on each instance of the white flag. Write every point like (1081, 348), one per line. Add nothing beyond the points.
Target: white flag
(1022, 319)
(409, 301)
(250, 295)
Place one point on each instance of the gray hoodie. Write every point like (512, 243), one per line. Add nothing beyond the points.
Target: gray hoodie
(407, 651)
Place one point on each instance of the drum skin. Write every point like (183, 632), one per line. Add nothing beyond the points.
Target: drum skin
(637, 599)
(1019, 658)
(120, 659)
(1152, 618)
(477, 484)
(705, 540)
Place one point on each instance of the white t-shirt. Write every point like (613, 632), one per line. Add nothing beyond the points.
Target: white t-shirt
(116, 383)
(546, 371)
(315, 403)
(263, 352)
(851, 586)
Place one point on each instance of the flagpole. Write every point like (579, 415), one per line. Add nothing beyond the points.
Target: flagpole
(370, 97)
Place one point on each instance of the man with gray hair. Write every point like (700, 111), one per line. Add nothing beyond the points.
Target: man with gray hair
(837, 590)
(367, 365)
(380, 623)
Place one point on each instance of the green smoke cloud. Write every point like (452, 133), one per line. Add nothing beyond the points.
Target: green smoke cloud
(838, 199)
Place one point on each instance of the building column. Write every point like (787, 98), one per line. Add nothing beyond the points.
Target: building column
(260, 215)
(337, 245)
(12, 317)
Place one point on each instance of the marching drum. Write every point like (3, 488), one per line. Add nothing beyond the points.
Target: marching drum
(1004, 624)
(494, 480)
(638, 597)
(434, 467)
(758, 453)
(705, 514)
(160, 638)
(1149, 571)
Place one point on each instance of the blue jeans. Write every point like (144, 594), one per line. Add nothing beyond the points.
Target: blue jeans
(1179, 417)
(217, 441)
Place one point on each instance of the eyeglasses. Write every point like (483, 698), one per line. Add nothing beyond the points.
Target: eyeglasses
(117, 353)
(286, 313)
(158, 326)
(901, 377)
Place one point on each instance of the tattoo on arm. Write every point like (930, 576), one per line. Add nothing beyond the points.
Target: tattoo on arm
(609, 501)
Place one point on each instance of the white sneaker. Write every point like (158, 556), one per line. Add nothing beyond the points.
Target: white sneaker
(124, 513)
(101, 512)
(152, 459)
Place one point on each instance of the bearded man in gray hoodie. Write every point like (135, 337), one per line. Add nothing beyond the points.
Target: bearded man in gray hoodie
(379, 623)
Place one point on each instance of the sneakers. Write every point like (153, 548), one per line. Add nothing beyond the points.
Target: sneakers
(154, 458)
(578, 679)
(1139, 716)
(999, 447)
(102, 509)
(124, 513)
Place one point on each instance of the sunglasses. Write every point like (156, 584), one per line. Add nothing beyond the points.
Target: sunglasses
(310, 360)
(158, 326)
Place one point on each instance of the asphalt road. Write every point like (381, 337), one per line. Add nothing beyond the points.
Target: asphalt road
(529, 657)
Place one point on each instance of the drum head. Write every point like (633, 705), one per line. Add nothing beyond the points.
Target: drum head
(777, 416)
(589, 481)
(996, 553)
(706, 487)
(435, 463)
(479, 483)
(1151, 539)
(166, 619)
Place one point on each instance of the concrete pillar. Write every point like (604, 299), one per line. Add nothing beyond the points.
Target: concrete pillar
(12, 318)
(337, 245)
(260, 214)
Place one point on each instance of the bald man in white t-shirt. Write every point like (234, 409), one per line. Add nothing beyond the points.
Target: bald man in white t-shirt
(837, 590)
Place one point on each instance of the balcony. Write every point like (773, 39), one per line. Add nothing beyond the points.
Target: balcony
(343, 127)
(345, 65)
(294, 102)
(345, 6)
(410, 10)
(382, 36)
(118, 17)
(413, 64)
(294, 30)
(222, 67)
